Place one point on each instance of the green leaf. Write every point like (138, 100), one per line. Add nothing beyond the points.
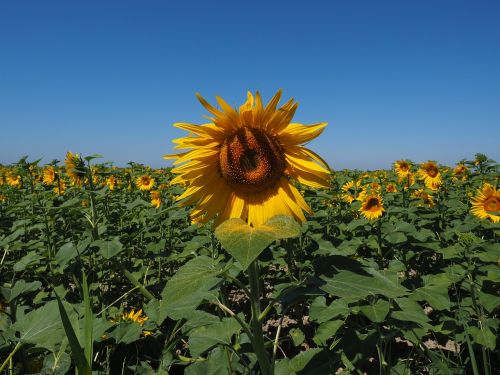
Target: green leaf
(354, 285)
(483, 336)
(435, 295)
(411, 311)
(21, 287)
(41, 327)
(66, 252)
(396, 238)
(320, 313)
(327, 330)
(109, 249)
(298, 363)
(204, 337)
(245, 243)
(25, 261)
(126, 332)
(189, 286)
(377, 311)
(297, 336)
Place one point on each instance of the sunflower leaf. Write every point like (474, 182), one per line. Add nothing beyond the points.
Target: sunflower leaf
(245, 243)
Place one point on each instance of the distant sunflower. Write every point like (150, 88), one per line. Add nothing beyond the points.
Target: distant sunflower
(402, 169)
(241, 164)
(145, 182)
(486, 203)
(391, 188)
(75, 168)
(60, 187)
(425, 197)
(155, 198)
(429, 172)
(14, 181)
(460, 172)
(3, 198)
(49, 175)
(372, 206)
(111, 181)
(351, 190)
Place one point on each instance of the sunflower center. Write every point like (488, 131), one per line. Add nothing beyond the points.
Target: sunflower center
(492, 204)
(251, 160)
(432, 171)
(372, 204)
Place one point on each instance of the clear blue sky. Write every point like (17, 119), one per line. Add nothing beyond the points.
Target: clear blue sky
(394, 79)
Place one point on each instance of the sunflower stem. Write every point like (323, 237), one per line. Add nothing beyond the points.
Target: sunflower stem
(258, 342)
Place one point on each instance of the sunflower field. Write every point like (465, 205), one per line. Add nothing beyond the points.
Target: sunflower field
(108, 270)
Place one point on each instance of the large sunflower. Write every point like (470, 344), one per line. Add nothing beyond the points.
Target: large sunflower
(241, 163)
(49, 175)
(429, 172)
(372, 206)
(486, 203)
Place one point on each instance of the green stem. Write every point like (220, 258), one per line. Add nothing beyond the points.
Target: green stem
(9, 357)
(258, 342)
(146, 293)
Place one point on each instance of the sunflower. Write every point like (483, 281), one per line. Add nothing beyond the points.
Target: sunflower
(75, 168)
(60, 187)
(402, 168)
(391, 188)
(486, 203)
(3, 198)
(132, 317)
(460, 172)
(111, 181)
(49, 175)
(351, 189)
(155, 198)
(14, 181)
(429, 172)
(241, 164)
(145, 182)
(372, 206)
(426, 198)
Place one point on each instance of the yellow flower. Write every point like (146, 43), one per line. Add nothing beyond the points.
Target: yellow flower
(391, 188)
(60, 187)
(155, 198)
(3, 198)
(486, 203)
(352, 190)
(402, 168)
(145, 182)
(429, 172)
(372, 206)
(460, 172)
(408, 180)
(426, 198)
(75, 168)
(111, 181)
(133, 317)
(49, 175)
(241, 164)
(14, 181)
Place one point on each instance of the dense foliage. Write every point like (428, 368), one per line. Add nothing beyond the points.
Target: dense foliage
(101, 267)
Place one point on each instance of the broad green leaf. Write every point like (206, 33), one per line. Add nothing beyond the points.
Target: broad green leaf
(41, 327)
(298, 363)
(320, 313)
(189, 286)
(396, 238)
(204, 337)
(27, 260)
(245, 243)
(483, 336)
(377, 311)
(435, 295)
(109, 249)
(411, 311)
(126, 332)
(21, 287)
(66, 252)
(354, 285)
(297, 336)
(327, 330)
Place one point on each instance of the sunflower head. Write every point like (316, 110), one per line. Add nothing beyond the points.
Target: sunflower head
(111, 182)
(75, 168)
(391, 188)
(49, 175)
(60, 187)
(429, 173)
(132, 317)
(426, 198)
(486, 203)
(155, 198)
(402, 168)
(240, 165)
(145, 182)
(372, 206)
(14, 180)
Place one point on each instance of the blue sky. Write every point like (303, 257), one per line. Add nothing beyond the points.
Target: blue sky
(394, 79)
